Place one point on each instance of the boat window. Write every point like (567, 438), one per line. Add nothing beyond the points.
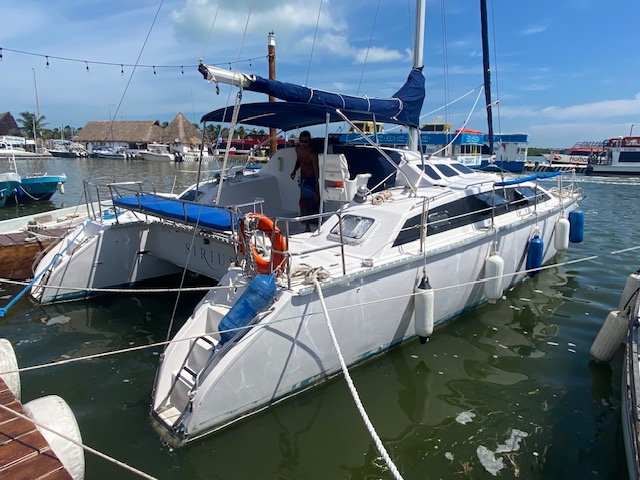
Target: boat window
(431, 172)
(446, 170)
(461, 168)
(528, 194)
(464, 211)
(490, 199)
(629, 157)
(353, 227)
(190, 196)
(438, 221)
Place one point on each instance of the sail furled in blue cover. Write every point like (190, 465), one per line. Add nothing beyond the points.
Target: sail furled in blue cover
(403, 108)
(404, 105)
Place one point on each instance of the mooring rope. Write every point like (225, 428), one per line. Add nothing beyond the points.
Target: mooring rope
(311, 275)
(354, 393)
(79, 444)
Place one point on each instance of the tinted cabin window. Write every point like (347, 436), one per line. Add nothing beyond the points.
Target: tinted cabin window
(469, 210)
(461, 168)
(431, 173)
(446, 170)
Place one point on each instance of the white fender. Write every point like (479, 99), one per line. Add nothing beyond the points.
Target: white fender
(611, 335)
(632, 285)
(9, 363)
(493, 271)
(423, 313)
(53, 412)
(561, 236)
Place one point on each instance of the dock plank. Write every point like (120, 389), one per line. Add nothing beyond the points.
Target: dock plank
(24, 452)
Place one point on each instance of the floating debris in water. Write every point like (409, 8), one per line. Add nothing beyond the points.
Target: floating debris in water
(448, 456)
(571, 350)
(60, 319)
(553, 344)
(493, 464)
(465, 417)
(414, 356)
(489, 461)
(513, 443)
(571, 344)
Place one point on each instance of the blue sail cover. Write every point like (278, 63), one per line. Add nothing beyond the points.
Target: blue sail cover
(307, 106)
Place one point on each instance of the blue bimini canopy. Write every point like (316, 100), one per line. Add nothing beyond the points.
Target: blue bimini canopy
(306, 106)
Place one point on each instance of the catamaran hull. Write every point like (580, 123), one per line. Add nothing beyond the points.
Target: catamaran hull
(99, 255)
(289, 348)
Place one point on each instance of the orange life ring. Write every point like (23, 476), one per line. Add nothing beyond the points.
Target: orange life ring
(278, 245)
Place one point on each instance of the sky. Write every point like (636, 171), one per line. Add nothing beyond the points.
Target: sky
(563, 71)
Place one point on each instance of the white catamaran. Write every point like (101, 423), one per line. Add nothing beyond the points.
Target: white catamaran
(423, 241)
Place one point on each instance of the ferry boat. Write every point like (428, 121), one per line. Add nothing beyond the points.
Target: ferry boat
(619, 156)
(467, 146)
(578, 154)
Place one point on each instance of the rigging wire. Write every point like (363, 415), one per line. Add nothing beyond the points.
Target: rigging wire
(366, 56)
(313, 44)
(213, 22)
(410, 27)
(144, 44)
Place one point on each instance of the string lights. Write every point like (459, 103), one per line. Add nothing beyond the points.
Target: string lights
(122, 65)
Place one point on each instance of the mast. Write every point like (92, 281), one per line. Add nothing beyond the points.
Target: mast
(418, 60)
(487, 71)
(37, 117)
(271, 48)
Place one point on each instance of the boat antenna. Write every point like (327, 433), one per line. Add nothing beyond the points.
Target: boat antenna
(487, 71)
(418, 60)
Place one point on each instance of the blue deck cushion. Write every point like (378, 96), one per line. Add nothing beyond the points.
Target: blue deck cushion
(207, 216)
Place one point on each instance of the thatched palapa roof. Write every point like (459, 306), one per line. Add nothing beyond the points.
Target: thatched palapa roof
(140, 131)
(8, 125)
(180, 129)
(128, 131)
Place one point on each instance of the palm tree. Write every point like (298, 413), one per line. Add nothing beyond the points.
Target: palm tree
(27, 121)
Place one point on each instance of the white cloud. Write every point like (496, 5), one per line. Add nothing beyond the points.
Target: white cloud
(602, 109)
(533, 30)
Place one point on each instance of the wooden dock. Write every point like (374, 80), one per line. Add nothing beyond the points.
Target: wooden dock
(24, 452)
(19, 250)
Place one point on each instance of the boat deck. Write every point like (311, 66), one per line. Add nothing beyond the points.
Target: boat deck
(24, 452)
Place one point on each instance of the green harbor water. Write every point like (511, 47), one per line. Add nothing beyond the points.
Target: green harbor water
(521, 363)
